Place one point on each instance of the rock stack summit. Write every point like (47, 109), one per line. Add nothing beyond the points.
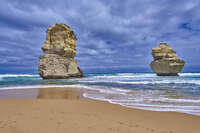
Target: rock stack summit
(59, 51)
(166, 62)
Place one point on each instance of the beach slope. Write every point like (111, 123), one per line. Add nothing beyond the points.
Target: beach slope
(88, 116)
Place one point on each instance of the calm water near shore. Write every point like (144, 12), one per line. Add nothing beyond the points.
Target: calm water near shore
(137, 90)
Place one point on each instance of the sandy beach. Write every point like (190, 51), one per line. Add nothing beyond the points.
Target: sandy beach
(58, 110)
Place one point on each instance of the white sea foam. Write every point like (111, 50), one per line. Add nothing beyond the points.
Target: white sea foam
(123, 75)
(121, 90)
(17, 75)
(168, 100)
(162, 82)
(43, 86)
(101, 98)
(189, 74)
(137, 75)
(184, 109)
(142, 79)
(175, 100)
(156, 106)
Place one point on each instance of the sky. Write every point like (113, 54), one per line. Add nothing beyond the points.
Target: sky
(113, 35)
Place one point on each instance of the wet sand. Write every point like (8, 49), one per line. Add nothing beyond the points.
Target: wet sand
(43, 93)
(61, 110)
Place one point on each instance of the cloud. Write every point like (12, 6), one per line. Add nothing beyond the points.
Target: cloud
(111, 34)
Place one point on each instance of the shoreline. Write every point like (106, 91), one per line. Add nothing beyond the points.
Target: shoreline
(134, 90)
(66, 110)
(34, 91)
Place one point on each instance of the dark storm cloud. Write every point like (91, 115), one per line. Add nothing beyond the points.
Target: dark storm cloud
(111, 34)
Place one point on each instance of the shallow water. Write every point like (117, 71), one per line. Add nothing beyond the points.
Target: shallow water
(137, 90)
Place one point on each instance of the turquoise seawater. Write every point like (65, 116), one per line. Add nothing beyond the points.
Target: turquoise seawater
(137, 90)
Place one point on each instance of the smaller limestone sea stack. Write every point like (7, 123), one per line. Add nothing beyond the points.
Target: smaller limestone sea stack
(59, 51)
(166, 62)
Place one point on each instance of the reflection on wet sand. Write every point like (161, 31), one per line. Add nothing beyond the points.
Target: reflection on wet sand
(43, 93)
(59, 93)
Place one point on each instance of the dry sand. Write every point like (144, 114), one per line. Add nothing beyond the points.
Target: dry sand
(61, 111)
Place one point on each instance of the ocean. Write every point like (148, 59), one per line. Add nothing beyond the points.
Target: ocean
(135, 90)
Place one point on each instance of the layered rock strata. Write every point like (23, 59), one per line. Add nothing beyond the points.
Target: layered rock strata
(59, 51)
(166, 62)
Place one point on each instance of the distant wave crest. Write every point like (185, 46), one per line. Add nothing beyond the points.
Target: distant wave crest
(163, 82)
(17, 75)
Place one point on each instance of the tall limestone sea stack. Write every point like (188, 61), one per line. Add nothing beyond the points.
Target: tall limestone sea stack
(166, 62)
(59, 51)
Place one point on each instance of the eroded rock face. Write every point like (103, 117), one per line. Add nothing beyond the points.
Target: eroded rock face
(166, 62)
(59, 51)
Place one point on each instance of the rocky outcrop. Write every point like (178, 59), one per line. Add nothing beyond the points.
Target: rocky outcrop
(59, 51)
(166, 62)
